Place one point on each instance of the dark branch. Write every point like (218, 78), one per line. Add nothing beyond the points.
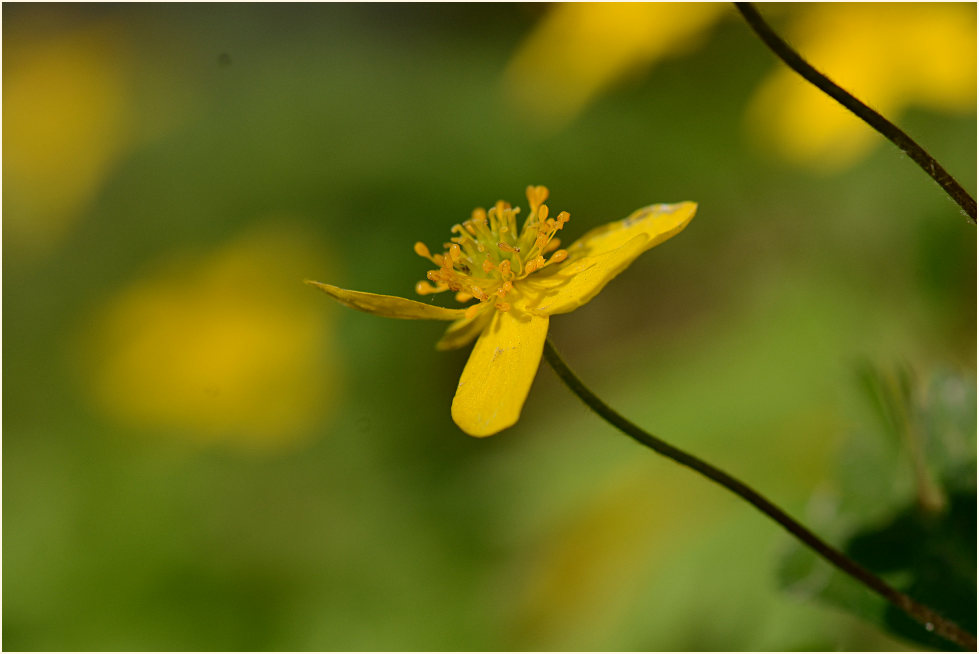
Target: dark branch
(888, 129)
(926, 616)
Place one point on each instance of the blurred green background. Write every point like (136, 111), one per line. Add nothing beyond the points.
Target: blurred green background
(202, 453)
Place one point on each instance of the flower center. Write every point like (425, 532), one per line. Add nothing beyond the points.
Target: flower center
(488, 256)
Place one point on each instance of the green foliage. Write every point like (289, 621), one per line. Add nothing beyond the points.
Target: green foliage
(368, 127)
(906, 504)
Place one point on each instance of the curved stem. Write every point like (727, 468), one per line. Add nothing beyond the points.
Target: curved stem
(931, 620)
(888, 129)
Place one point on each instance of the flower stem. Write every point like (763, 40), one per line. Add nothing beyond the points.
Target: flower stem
(931, 620)
(888, 129)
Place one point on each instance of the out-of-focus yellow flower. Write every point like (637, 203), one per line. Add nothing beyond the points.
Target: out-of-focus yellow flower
(67, 116)
(517, 290)
(224, 348)
(890, 56)
(578, 50)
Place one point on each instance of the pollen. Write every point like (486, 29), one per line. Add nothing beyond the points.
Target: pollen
(488, 254)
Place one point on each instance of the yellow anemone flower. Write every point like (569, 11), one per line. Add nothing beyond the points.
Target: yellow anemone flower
(519, 278)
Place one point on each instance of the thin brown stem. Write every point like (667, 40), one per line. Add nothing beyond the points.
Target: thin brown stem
(888, 129)
(931, 620)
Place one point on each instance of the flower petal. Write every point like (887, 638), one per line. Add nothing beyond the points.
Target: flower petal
(463, 332)
(658, 221)
(499, 373)
(601, 254)
(388, 306)
(574, 285)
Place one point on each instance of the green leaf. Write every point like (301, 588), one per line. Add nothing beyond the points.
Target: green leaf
(902, 504)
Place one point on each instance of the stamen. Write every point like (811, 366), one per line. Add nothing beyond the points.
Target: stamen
(536, 196)
(424, 288)
(474, 269)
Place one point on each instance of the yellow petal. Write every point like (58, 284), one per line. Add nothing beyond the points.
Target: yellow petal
(388, 306)
(658, 221)
(579, 50)
(578, 283)
(601, 254)
(463, 332)
(499, 373)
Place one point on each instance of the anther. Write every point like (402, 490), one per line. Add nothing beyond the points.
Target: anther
(424, 288)
(506, 247)
(505, 268)
(488, 266)
(558, 256)
(542, 213)
(536, 195)
(422, 250)
(455, 252)
(503, 306)
(479, 293)
(462, 296)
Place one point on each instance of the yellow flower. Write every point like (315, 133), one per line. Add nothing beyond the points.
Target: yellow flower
(218, 348)
(579, 50)
(68, 117)
(891, 56)
(519, 278)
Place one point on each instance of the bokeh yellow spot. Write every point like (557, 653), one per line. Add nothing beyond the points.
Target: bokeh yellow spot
(227, 347)
(891, 56)
(579, 50)
(67, 117)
